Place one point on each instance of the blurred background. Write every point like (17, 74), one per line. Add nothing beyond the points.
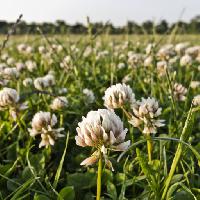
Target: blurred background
(116, 16)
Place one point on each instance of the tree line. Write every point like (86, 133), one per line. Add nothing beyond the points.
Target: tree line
(61, 27)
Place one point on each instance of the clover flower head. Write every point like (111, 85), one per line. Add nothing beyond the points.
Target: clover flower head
(20, 66)
(59, 103)
(194, 84)
(148, 61)
(196, 100)
(101, 129)
(161, 68)
(179, 92)
(10, 72)
(27, 82)
(89, 94)
(146, 116)
(181, 47)
(31, 65)
(186, 60)
(118, 95)
(9, 99)
(41, 83)
(43, 124)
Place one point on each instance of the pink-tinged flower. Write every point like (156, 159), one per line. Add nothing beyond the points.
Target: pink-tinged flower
(9, 99)
(43, 124)
(101, 129)
(146, 116)
(179, 92)
(196, 100)
(118, 95)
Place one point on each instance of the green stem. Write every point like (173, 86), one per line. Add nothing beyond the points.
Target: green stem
(99, 177)
(149, 148)
(61, 120)
(128, 115)
(184, 136)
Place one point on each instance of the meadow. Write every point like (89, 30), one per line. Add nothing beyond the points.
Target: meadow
(100, 117)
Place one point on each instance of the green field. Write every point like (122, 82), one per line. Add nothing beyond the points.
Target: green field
(143, 143)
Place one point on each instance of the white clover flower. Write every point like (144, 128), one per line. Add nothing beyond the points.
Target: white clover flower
(194, 84)
(74, 49)
(149, 48)
(31, 65)
(20, 66)
(49, 80)
(102, 54)
(121, 66)
(166, 51)
(59, 103)
(43, 124)
(145, 116)
(42, 50)
(161, 68)
(134, 59)
(118, 95)
(90, 98)
(179, 92)
(101, 129)
(181, 47)
(9, 99)
(193, 51)
(41, 83)
(29, 50)
(66, 63)
(148, 61)
(186, 60)
(27, 82)
(10, 72)
(21, 47)
(10, 61)
(57, 48)
(62, 91)
(196, 100)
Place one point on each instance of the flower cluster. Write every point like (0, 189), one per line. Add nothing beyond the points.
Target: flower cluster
(118, 95)
(101, 129)
(41, 83)
(179, 92)
(196, 100)
(9, 99)
(145, 116)
(89, 96)
(59, 103)
(43, 124)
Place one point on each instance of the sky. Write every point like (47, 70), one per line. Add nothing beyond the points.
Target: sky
(115, 11)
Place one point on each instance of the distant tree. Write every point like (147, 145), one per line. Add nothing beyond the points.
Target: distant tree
(147, 27)
(194, 26)
(183, 27)
(162, 27)
(3, 27)
(60, 27)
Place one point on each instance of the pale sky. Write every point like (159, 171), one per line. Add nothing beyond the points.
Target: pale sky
(116, 11)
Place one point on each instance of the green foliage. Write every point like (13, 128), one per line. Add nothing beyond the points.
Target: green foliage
(30, 172)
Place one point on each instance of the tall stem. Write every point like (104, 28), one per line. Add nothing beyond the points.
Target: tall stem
(187, 129)
(149, 147)
(99, 177)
